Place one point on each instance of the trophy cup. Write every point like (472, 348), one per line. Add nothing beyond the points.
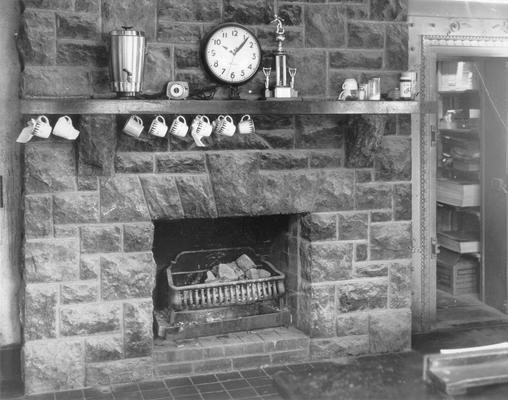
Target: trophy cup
(266, 72)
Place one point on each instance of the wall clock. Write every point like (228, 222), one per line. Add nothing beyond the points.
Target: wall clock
(231, 54)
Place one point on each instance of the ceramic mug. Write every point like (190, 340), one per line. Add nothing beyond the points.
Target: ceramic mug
(202, 126)
(217, 123)
(42, 128)
(26, 133)
(179, 127)
(246, 125)
(158, 127)
(65, 129)
(227, 127)
(133, 126)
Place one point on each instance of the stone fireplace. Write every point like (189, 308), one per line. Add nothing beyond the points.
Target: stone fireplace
(90, 272)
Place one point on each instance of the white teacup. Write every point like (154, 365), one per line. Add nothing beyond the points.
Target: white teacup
(350, 84)
(133, 126)
(26, 133)
(246, 125)
(179, 127)
(65, 129)
(227, 127)
(158, 127)
(202, 126)
(42, 128)
(217, 123)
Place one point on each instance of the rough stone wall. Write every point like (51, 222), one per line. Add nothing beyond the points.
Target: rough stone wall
(89, 270)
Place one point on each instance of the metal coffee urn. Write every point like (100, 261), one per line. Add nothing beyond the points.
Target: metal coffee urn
(127, 61)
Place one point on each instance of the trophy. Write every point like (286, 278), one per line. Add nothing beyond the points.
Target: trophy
(281, 90)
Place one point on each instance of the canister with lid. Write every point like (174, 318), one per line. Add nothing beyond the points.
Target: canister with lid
(406, 85)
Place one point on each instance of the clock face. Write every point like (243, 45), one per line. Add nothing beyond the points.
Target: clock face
(231, 54)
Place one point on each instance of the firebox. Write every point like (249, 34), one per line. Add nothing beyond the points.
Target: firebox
(220, 275)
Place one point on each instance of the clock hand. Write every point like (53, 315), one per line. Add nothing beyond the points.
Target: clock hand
(241, 45)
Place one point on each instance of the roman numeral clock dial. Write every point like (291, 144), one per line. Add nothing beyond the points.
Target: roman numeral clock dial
(231, 54)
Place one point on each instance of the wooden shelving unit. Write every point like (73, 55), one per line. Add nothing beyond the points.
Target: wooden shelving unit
(291, 107)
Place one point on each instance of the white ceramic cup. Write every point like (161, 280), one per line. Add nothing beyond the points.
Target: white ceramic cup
(350, 84)
(42, 128)
(202, 126)
(133, 126)
(158, 127)
(65, 129)
(227, 127)
(26, 133)
(217, 123)
(179, 127)
(246, 125)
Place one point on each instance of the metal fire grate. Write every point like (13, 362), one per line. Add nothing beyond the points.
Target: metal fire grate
(187, 264)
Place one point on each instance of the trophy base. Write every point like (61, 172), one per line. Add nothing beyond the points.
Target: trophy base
(281, 93)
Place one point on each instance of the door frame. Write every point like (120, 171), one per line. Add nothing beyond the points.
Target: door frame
(424, 128)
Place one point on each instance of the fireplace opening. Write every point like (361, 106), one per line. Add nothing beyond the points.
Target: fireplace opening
(216, 276)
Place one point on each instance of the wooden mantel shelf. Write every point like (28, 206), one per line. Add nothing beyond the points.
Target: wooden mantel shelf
(297, 107)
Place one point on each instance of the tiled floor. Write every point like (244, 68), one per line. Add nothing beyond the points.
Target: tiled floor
(245, 385)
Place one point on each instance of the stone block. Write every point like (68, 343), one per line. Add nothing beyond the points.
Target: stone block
(143, 143)
(370, 270)
(100, 239)
(353, 226)
(88, 319)
(365, 133)
(236, 184)
(403, 125)
(291, 14)
(333, 159)
(361, 252)
(363, 59)
(322, 311)
(126, 276)
(390, 331)
(96, 145)
(196, 196)
(119, 371)
(162, 197)
(325, 26)
(55, 82)
(198, 10)
(53, 365)
(388, 10)
(323, 349)
(81, 54)
(278, 121)
(290, 357)
(174, 369)
(320, 132)
(122, 199)
(90, 6)
(171, 32)
(66, 231)
(215, 365)
(275, 138)
(381, 216)
(362, 294)
(393, 159)
(326, 261)
(38, 219)
(253, 141)
(75, 208)
(88, 183)
(335, 190)
(396, 47)
(363, 175)
(250, 12)
(86, 292)
(319, 226)
(390, 241)
(49, 4)
(158, 64)
(138, 328)
(399, 289)
(187, 163)
(49, 167)
(251, 361)
(138, 13)
(311, 70)
(363, 35)
(89, 267)
(103, 348)
(283, 160)
(370, 196)
(402, 202)
(187, 57)
(294, 39)
(36, 40)
(49, 261)
(40, 312)
(78, 26)
(138, 237)
(353, 324)
(134, 163)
